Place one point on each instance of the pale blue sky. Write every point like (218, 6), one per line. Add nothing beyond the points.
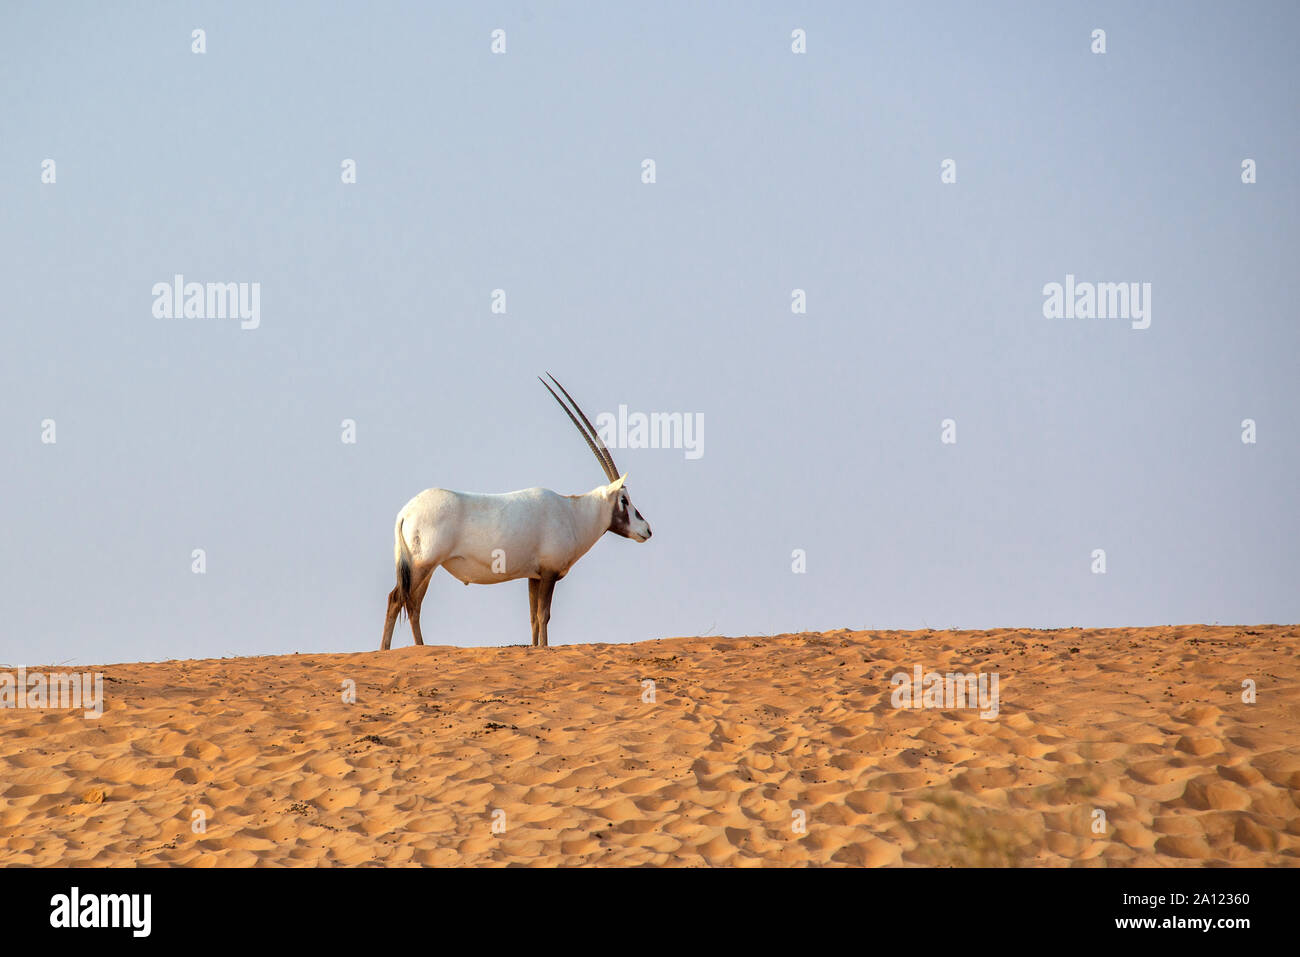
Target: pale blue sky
(522, 172)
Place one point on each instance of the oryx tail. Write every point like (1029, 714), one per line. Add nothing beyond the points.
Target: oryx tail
(402, 558)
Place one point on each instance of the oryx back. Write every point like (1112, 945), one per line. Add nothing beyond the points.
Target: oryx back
(484, 539)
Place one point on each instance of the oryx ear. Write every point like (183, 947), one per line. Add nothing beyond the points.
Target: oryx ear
(617, 484)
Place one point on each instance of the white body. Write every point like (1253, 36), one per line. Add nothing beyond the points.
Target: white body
(485, 539)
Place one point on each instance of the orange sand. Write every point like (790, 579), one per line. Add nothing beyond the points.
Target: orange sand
(1146, 724)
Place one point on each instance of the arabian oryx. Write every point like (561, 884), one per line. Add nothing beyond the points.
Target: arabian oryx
(534, 533)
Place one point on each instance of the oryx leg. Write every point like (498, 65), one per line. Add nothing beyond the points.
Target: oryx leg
(417, 599)
(394, 606)
(533, 583)
(545, 589)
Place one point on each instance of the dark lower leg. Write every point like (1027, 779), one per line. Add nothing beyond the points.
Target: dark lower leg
(417, 599)
(394, 606)
(532, 607)
(545, 590)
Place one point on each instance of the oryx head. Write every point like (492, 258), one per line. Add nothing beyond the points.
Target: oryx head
(624, 519)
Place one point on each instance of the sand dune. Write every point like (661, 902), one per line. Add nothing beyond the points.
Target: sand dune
(559, 750)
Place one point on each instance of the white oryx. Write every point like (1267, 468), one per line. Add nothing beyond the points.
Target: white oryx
(534, 533)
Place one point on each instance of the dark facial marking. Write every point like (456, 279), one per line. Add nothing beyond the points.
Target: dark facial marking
(620, 523)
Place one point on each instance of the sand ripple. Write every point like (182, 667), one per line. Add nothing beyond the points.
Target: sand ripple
(781, 751)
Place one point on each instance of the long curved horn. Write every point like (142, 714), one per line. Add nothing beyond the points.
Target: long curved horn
(593, 438)
(604, 451)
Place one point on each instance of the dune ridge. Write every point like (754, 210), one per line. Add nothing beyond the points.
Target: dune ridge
(520, 756)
